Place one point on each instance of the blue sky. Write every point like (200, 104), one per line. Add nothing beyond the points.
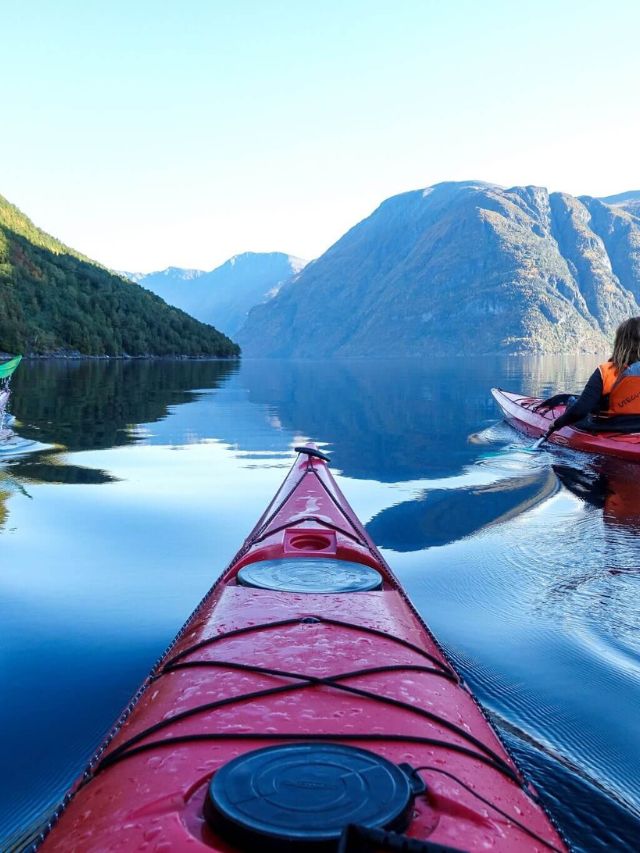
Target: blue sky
(150, 133)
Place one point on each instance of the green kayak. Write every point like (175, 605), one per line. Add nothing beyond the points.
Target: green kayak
(8, 367)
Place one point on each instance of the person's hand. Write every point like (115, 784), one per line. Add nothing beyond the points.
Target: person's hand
(551, 402)
(544, 437)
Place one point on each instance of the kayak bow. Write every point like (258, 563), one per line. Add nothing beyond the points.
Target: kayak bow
(304, 706)
(517, 409)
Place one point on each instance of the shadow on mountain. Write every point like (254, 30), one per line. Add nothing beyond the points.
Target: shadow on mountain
(442, 516)
(91, 404)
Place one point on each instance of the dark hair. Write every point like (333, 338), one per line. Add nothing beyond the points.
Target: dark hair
(626, 347)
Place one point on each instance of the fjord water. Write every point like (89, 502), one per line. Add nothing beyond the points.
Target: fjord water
(134, 483)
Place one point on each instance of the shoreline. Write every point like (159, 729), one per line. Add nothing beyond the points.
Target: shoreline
(73, 356)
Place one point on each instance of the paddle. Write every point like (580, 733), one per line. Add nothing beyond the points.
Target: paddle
(550, 403)
(538, 444)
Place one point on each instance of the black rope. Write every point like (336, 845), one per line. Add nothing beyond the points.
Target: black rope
(300, 620)
(264, 670)
(315, 518)
(332, 681)
(261, 531)
(511, 819)
(312, 681)
(335, 501)
(115, 756)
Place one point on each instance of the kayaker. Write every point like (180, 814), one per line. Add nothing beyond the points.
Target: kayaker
(610, 401)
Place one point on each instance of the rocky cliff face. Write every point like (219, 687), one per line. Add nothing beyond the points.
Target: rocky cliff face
(223, 296)
(466, 268)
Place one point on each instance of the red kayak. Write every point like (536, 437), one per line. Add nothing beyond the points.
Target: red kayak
(304, 706)
(518, 411)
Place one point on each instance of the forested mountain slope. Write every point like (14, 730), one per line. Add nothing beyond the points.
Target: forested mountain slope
(53, 299)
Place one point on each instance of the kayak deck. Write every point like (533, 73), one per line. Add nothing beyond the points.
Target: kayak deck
(518, 411)
(254, 668)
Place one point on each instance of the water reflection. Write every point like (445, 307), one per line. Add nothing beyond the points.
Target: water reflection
(544, 375)
(381, 420)
(93, 404)
(524, 565)
(46, 467)
(611, 826)
(437, 517)
(9, 485)
(391, 421)
(602, 588)
(4, 512)
(610, 485)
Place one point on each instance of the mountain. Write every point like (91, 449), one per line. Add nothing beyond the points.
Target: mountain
(53, 299)
(224, 295)
(171, 275)
(630, 201)
(462, 268)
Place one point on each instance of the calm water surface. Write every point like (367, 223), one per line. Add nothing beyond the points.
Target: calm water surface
(133, 484)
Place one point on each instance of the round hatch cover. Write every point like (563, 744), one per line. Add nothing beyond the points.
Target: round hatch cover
(315, 574)
(301, 796)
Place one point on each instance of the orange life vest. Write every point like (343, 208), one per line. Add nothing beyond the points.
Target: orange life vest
(621, 392)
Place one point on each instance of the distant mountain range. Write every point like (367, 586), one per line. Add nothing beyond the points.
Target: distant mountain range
(171, 274)
(463, 268)
(53, 300)
(224, 296)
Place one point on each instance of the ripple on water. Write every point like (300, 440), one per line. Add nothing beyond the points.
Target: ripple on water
(531, 582)
(546, 611)
(595, 821)
(596, 614)
(13, 445)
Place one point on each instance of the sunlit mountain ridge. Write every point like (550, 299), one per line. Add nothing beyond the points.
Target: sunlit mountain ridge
(463, 268)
